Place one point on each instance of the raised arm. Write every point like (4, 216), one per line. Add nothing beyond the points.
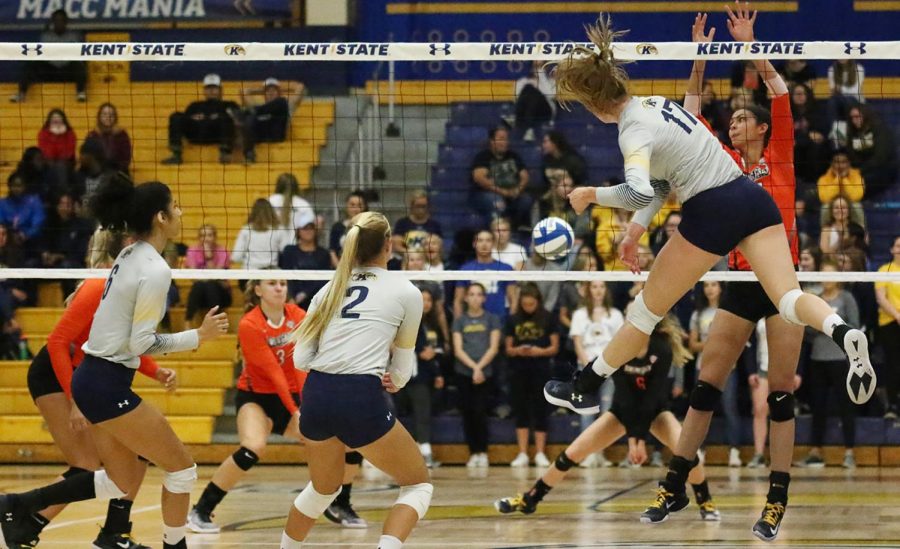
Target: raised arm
(740, 25)
(692, 98)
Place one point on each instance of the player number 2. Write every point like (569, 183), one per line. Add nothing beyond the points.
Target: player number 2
(676, 115)
(359, 294)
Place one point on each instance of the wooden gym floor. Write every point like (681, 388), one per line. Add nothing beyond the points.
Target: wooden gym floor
(592, 509)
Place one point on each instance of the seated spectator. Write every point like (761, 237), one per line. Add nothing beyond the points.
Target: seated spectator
(888, 297)
(560, 158)
(845, 84)
(609, 229)
(287, 191)
(872, 149)
(261, 240)
(810, 134)
(207, 253)
(55, 71)
(22, 214)
(498, 294)
(535, 100)
(93, 169)
(664, 232)
(36, 175)
(268, 121)
(746, 81)
(499, 180)
(714, 111)
(12, 295)
(842, 180)
(305, 255)
(505, 250)
(204, 122)
(115, 140)
(354, 205)
(810, 260)
(434, 254)
(835, 225)
(797, 71)
(65, 238)
(56, 139)
(412, 231)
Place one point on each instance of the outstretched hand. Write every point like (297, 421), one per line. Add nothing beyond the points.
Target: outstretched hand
(698, 31)
(740, 21)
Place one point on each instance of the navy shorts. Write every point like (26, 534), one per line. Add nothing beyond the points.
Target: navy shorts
(353, 408)
(718, 219)
(747, 300)
(42, 379)
(102, 389)
(272, 406)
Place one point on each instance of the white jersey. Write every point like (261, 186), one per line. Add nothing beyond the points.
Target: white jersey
(380, 308)
(133, 303)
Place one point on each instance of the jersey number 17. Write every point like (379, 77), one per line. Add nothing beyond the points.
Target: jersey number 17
(676, 115)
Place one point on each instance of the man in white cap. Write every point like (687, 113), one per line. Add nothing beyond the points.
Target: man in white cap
(267, 122)
(204, 122)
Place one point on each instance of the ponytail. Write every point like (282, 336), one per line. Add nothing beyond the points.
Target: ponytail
(673, 331)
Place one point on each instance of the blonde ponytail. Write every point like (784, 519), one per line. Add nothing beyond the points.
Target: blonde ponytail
(671, 328)
(364, 241)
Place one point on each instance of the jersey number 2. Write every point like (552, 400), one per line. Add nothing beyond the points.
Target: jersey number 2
(360, 293)
(673, 116)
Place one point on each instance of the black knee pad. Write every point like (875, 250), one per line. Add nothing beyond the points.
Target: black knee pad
(705, 397)
(72, 471)
(353, 458)
(245, 458)
(781, 406)
(563, 463)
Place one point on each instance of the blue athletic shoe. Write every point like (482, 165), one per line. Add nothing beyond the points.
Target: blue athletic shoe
(563, 394)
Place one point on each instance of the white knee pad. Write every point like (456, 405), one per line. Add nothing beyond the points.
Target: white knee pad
(641, 317)
(104, 487)
(181, 482)
(417, 496)
(787, 307)
(311, 503)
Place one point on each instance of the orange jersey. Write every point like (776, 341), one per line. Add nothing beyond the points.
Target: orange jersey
(775, 172)
(72, 330)
(269, 355)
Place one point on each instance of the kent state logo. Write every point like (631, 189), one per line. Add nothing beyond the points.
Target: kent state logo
(646, 49)
(849, 47)
(36, 49)
(444, 49)
(235, 49)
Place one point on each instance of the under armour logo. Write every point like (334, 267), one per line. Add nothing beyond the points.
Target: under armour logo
(37, 49)
(577, 398)
(435, 48)
(388, 416)
(849, 47)
(123, 404)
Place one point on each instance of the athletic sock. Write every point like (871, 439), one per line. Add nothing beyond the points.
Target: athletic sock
(36, 523)
(343, 499)
(601, 368)
(389, 542)
(287, 542)
(830, 327)
(778, 487)
(117, 514)
(211, 497)
(75, 488)
(173, 535)
(701, 492)
(537, 492)
(676, 477)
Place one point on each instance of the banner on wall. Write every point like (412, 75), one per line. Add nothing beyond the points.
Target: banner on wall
(38, 11)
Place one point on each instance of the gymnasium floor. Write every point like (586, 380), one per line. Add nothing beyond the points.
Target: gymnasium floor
(594, 508)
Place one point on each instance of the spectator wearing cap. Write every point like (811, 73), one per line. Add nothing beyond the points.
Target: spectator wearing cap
(306, 255)
(267, 122)
(55, 71)
(204, 122)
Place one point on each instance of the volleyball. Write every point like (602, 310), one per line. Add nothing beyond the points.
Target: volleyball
(552, 238)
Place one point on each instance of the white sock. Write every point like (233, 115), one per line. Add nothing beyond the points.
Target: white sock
(173, 534)
(389, 542)
(425, 448)
(287, 542)
(601, 368)
(830, 322)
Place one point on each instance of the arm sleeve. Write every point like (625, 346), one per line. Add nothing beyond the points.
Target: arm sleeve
(148, 367)
(636, 144)
(644, 216)
(151, 297)
(75, 320)
(259, 356)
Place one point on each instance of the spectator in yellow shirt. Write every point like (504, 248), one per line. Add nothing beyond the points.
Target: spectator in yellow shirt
(888, 296)
(842, 180)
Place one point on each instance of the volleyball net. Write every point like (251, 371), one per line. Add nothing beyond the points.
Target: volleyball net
(406, 139)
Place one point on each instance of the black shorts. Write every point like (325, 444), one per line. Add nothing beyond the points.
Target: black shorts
(102, 389)
(747, 300)
(42, 379)
(271, 405)
(353, 408)
(625, 415)
(718, 219)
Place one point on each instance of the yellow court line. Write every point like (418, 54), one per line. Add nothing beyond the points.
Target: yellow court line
(876, 5)
(422, 8)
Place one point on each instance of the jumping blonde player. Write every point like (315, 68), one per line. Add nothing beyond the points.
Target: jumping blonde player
(357, 341)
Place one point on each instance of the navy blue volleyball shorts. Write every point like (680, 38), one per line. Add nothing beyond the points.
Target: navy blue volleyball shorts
(353, 408)
(718, 219)
(102, 389)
